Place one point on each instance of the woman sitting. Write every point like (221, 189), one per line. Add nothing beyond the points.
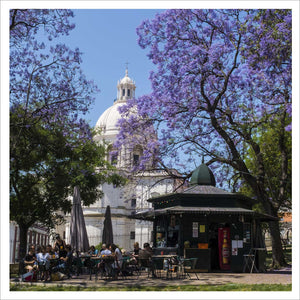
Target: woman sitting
(43, 259)
(93, 251)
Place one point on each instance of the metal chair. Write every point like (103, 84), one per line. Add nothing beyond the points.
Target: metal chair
(125, 268)
(189, 266)
(249, 261)
(173, 264)
(158, 263)
(146, 264)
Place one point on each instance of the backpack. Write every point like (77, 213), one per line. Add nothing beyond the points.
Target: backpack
(29, 276)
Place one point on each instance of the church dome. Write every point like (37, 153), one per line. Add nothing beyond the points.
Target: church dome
(109, 119)
(203, 176)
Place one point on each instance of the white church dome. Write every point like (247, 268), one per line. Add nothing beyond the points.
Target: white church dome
(109, 119)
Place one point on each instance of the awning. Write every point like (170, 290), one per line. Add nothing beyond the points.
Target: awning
(151, 213)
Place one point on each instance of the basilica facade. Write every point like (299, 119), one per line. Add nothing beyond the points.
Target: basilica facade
(127, 199)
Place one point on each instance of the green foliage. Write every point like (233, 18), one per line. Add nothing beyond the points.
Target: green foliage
(99, 247)
(287, 254)
(276, 150)
(45, 166)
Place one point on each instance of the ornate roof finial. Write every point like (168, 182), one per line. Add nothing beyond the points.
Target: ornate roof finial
(126, 71)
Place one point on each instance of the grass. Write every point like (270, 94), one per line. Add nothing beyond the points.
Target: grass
(181, 288)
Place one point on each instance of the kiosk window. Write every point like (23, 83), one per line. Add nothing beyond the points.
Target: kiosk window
(247, 233)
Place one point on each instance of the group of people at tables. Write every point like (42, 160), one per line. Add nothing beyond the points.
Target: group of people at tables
(41, 257)
(112, 258)
(62, 254)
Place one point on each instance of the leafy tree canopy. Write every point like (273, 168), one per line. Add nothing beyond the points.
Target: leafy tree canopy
(220, 76)
(51, 145)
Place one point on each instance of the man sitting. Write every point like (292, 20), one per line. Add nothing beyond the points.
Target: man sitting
(30, 259)
(65, 264)
(104, 250)
(144, 258)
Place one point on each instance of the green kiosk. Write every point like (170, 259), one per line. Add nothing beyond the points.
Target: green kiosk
(218, 227)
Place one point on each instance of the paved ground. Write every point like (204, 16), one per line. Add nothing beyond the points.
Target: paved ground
(283, 276)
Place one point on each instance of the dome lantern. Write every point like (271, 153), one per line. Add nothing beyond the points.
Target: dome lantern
(203, 176)
(126, 88)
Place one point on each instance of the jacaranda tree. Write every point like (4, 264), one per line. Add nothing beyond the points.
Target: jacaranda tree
(51, 146)
(220, 76)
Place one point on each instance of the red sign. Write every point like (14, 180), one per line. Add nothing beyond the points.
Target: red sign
(224, 248)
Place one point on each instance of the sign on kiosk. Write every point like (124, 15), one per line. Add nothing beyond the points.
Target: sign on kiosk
(224, 248)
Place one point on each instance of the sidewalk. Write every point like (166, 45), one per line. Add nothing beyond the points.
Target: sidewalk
(283, 276)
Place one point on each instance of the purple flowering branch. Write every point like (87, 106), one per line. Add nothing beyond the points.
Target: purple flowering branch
(221, 78)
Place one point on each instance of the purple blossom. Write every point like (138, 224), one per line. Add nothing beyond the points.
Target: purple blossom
(215, 69)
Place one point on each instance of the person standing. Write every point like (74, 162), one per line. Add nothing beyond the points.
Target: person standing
(60, 246)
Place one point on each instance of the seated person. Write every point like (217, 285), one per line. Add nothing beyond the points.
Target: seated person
(146, 253)
(135, 254)
(105, 250)
(30, 258)
(145, 256)
(65, 263)
(51, 252)
(43, 259)
(117, 264)
(102, 266)
(136, 248)
(93, 251)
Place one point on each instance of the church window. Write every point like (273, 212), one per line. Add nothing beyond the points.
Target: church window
(112, 155)
(123, 92)
(114, 159)
(133, 202)
(136, 159)
(128, 93)
(137, 154)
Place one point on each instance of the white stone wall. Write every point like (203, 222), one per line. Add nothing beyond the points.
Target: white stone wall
(119, 200)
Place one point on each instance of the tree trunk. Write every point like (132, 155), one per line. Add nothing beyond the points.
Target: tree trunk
(23, 240)
(277, 250)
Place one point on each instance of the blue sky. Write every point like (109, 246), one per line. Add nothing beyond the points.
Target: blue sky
(108, 40)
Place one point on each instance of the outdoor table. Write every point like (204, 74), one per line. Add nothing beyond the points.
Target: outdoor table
(250, 260)
(107, 261)
(168, 265)
(90, 262)
(93, 264)
(255, 252)
(164, 256)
